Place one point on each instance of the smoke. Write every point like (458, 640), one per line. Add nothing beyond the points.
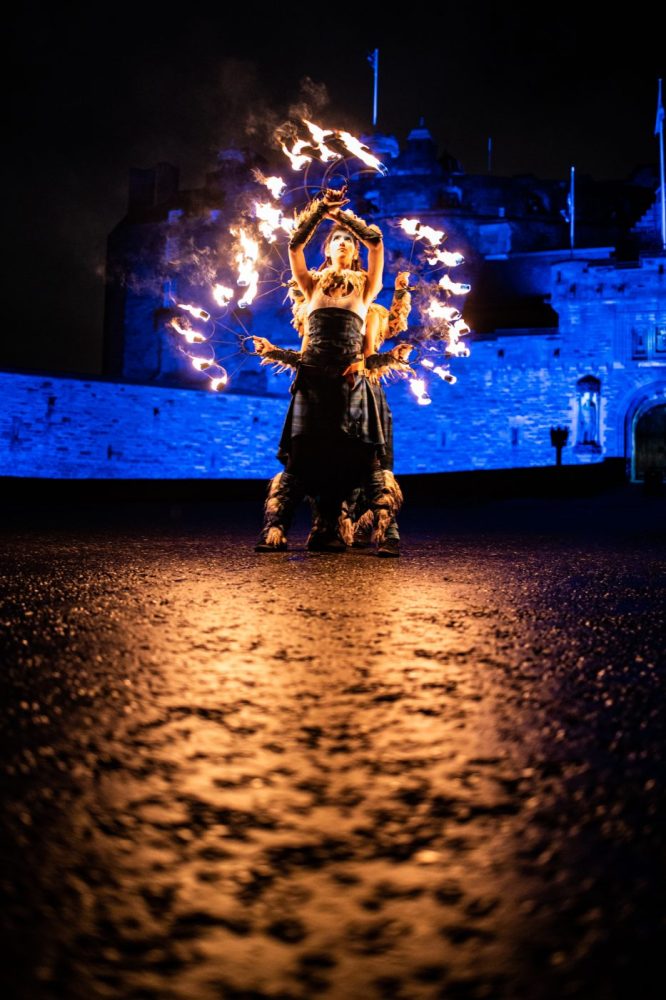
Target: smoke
(267, 123)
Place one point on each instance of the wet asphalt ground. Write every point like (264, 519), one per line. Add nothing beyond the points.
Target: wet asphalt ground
(302, 775)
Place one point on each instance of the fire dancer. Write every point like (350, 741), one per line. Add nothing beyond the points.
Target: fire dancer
(333, 439)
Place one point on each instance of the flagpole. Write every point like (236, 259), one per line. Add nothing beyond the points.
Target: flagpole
(659, 130)
(373, 59)
(572, 209)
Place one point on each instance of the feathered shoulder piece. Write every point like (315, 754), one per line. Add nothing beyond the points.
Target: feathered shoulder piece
(330, 281)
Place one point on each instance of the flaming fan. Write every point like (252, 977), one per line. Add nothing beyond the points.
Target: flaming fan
(252, 264)
(439, 338)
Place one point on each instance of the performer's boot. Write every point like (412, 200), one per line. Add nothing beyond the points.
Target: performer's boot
(385, 498)
(331, 526)
(285, 491)
(362, 518)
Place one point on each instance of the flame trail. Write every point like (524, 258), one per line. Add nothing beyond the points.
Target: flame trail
(271, 218)
(320, 135)
(222, 294)
(436, 310)
(275, 185)
(418, 387)
(298, 161)
(455, 287)
(218, 377)
(190, 335)
(359, 150)
(420, 232)
(195, 311)
(327, 145)
(448, 257)
(246, 259)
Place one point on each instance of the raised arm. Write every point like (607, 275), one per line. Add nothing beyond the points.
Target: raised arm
(304, 230)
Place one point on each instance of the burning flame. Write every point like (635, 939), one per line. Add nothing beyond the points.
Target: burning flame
(418, 387)
(443, 373)
(320, 135)
(456, 288)
(222, 295)
(218, 377)
(436, 310)
(447, 257)
(190, 335)
(460, 328)
(298, 161)
(455, 332)
(356, 148)
(201, 364)
(275, 185)
(271, 218)
(414, 228)
(195, 311)
(246, 259)
(319, 139)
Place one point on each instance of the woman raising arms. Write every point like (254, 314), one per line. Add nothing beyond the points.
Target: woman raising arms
(332, 440)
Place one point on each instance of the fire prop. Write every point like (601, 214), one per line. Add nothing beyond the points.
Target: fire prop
(443, 323)
(265, 226)
(327, 145)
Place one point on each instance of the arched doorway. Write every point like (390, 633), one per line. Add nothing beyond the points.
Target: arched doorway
(650, 443)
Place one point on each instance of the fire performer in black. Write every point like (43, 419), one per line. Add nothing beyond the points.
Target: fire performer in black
(333, 440)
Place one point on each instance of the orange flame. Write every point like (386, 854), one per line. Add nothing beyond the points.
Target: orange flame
(222, 294)
(319, 138)
(320, 135)
(271, 218)
(418, 387)
(436, 310)
(195, 311)
(455, 287)
(448, 257)
(275, 185)
(356, 148)
(298, 161)
(190, 335)
(420, 232)
(246, 259)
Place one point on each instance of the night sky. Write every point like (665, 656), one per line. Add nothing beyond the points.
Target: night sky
(94, 92)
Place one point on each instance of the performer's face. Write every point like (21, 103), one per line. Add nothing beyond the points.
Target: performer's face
(342, 248)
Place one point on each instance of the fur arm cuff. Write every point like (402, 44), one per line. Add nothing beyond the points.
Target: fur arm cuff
(281, 356)
(306, 223)
(360, 229)
(381, 364)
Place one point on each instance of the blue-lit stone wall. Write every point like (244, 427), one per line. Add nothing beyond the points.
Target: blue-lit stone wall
(97, 429)
(609, 348)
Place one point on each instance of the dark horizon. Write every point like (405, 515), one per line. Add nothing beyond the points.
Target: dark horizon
(95, 95)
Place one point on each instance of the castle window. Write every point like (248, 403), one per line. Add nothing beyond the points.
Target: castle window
(648, 342)
(660, 340)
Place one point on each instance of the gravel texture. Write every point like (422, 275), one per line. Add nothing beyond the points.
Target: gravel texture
(230, 775)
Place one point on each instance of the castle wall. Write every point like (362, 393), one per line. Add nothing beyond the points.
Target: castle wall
(594, 375)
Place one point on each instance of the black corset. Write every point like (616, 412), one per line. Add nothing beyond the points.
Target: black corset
(335, 337)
